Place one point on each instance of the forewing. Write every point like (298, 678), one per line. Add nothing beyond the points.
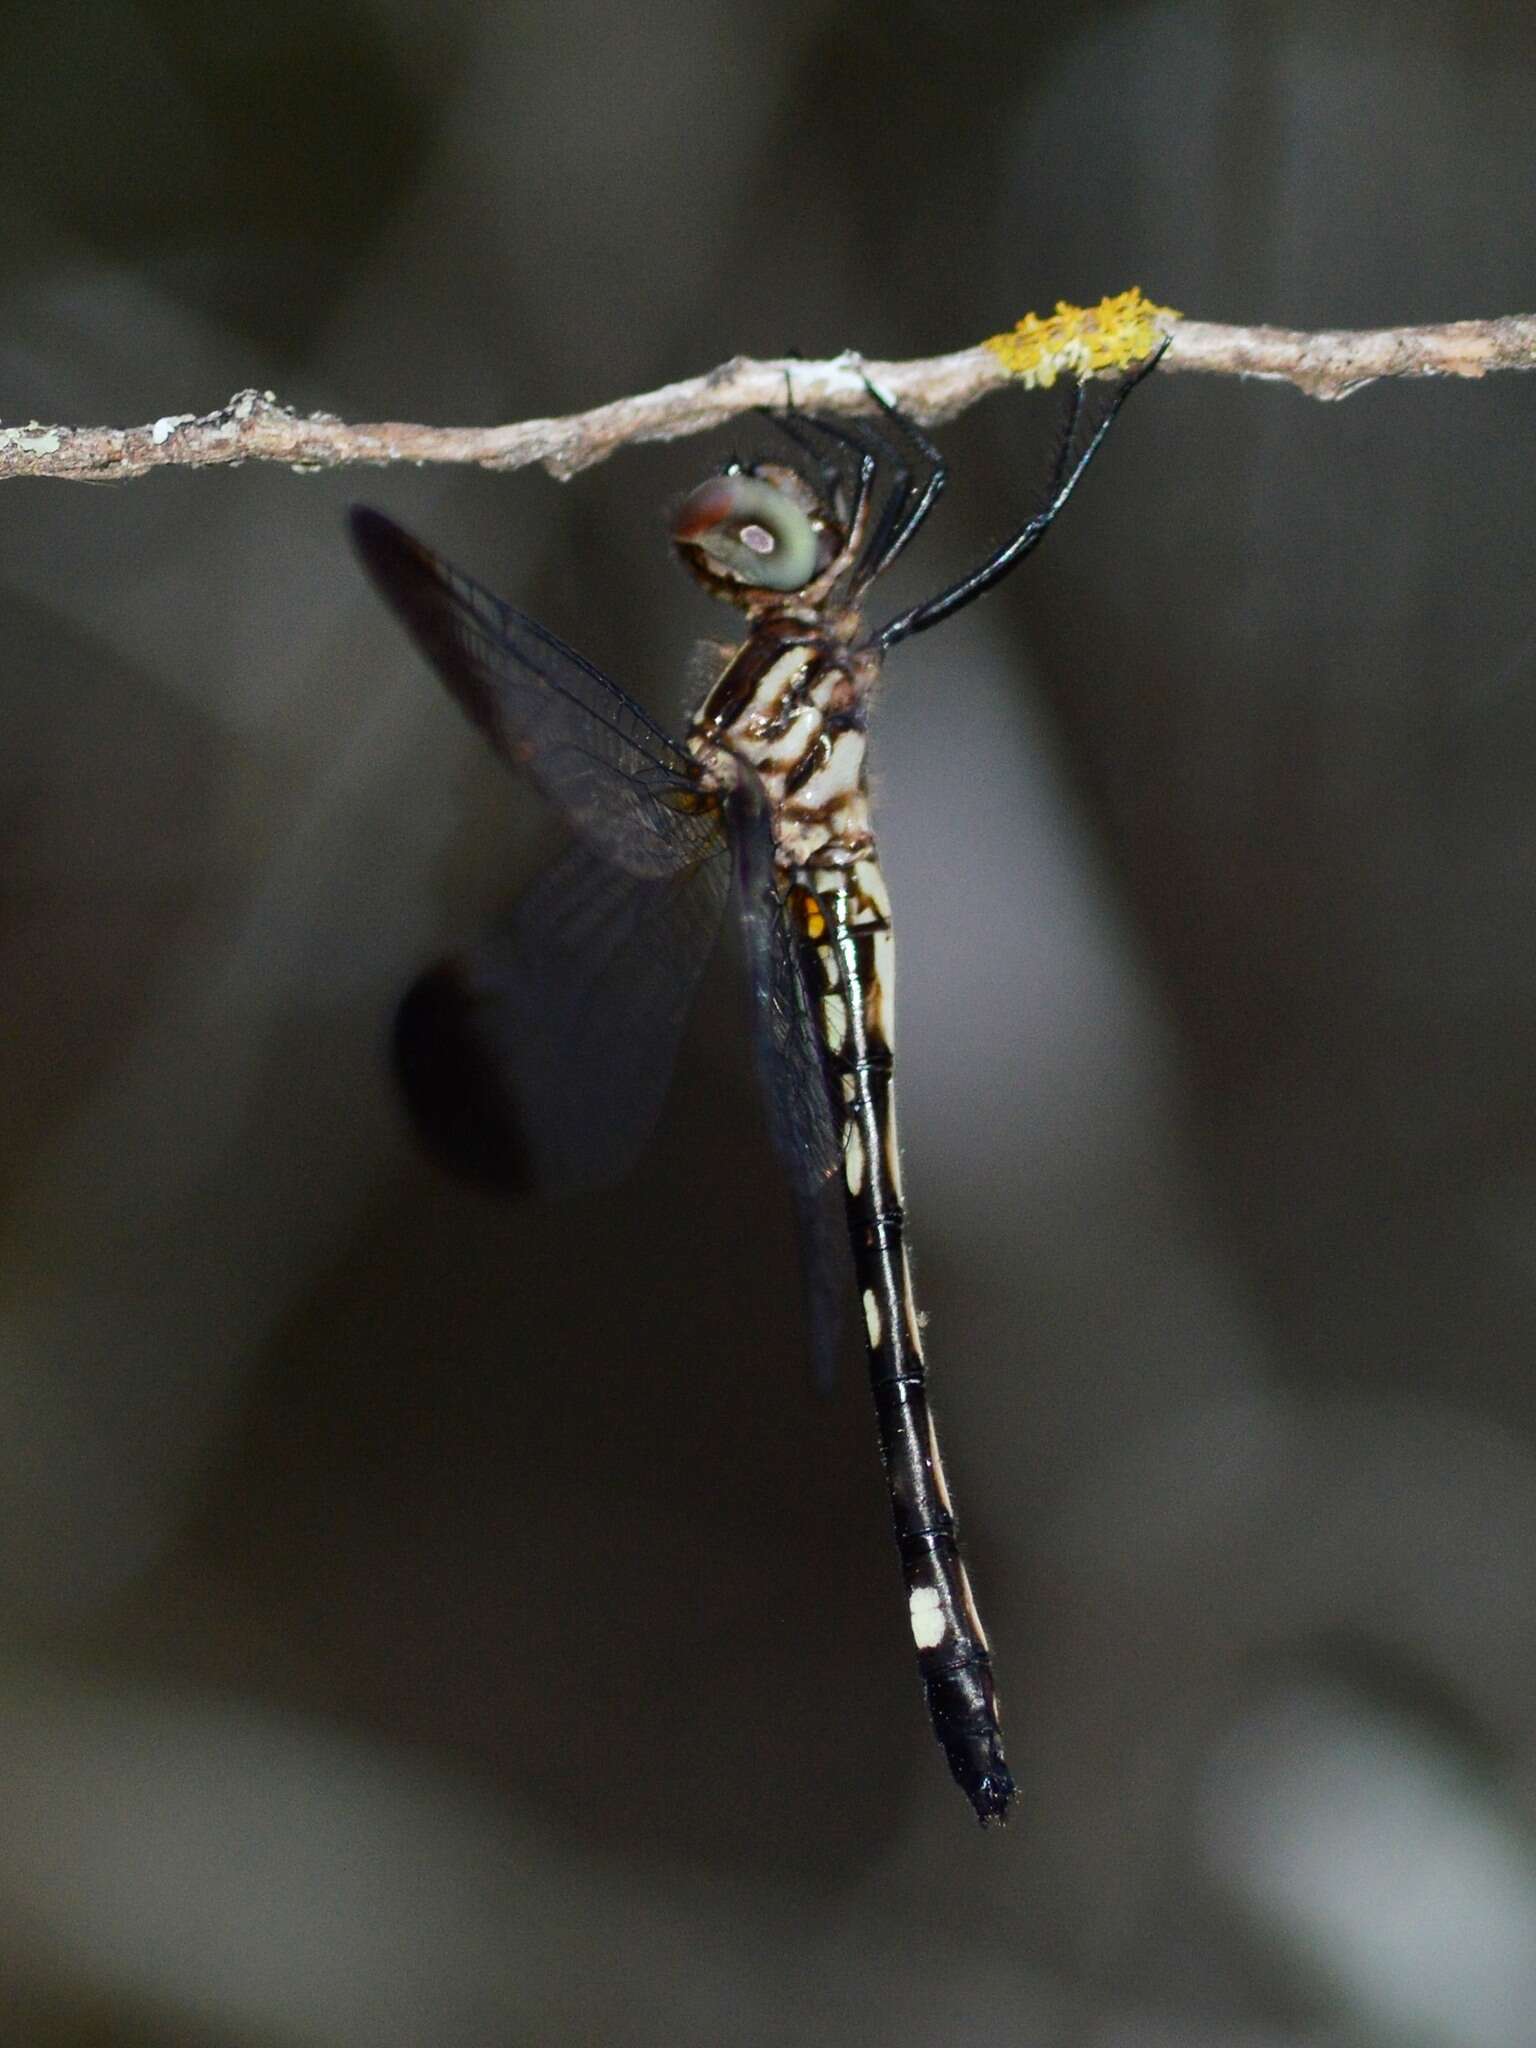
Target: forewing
(539, 1062)
(630, 792)
(793, 1070)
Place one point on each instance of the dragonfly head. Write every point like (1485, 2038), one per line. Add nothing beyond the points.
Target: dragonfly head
(756, 535)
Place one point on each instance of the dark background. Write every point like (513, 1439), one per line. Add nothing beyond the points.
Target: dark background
(424, 1621)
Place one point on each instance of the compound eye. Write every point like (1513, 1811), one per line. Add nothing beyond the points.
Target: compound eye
(749, 531)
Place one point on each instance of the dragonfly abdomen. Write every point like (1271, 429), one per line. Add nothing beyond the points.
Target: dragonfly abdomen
(846, 927)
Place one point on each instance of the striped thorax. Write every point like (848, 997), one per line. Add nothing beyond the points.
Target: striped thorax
(791, 704)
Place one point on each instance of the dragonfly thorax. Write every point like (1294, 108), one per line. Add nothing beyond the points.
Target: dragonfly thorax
(791, 705)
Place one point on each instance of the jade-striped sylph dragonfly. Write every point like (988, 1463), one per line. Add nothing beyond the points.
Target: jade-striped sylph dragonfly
(539, 1061)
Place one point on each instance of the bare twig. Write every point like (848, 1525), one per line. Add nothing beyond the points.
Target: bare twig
(253, 427)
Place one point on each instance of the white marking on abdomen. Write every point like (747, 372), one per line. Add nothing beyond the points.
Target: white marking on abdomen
(909, 1301)
(868, 879)
(872, 1315)
(927, 1614)
(853, 1157)
(893, 1167)
(885, 986)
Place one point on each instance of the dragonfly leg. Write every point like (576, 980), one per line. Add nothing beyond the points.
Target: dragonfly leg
(1066, 476)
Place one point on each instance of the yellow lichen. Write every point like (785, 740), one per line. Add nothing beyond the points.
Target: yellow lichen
(1083, 340)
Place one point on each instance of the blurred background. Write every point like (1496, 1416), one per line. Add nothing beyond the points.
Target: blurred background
(423, 1620)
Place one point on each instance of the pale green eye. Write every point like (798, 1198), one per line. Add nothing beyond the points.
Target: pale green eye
(749, 531)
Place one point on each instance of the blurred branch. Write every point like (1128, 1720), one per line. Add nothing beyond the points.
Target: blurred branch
(253, 427)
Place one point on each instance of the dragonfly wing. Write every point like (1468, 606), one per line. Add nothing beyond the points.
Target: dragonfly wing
(826, 1275)
(628, 789)
(796, 1086)
(539, 1062)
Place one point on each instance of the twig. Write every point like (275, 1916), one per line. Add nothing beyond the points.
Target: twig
(253, 427)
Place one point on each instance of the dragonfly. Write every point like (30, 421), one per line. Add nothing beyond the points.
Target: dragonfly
(539, 1060)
